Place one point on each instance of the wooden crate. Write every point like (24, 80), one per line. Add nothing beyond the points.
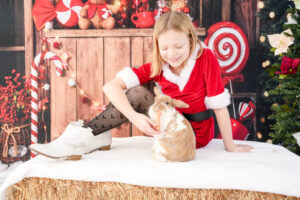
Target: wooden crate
(96, 57)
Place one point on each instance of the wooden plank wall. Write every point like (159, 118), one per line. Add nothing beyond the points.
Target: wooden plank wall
(63, 97)
(116, 57)
(92, 69)
(28, 37)
(244, 16)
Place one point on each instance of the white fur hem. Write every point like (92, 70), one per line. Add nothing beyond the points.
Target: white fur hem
(219, 101)
(129, 77)
(182, 79)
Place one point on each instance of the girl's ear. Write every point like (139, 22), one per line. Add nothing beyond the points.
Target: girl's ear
(179, 104)
(156, 91)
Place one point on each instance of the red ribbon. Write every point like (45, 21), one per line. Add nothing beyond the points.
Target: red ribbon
(43, 11)
(93, 8)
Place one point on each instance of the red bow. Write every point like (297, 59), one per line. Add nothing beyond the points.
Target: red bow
(93, 8)
(43, 11)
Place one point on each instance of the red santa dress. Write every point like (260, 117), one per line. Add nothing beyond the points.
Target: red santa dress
(199, 84)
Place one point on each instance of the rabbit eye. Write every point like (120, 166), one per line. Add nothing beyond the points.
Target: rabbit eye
(167, 103)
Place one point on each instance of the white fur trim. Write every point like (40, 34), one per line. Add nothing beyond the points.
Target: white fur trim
(185, 74)
(129, 77)
(219, 101)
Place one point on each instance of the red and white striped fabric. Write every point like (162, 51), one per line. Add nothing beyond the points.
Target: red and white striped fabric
(34, 89)
(67, 12)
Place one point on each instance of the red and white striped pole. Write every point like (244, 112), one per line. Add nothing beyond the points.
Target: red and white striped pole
(34, 89)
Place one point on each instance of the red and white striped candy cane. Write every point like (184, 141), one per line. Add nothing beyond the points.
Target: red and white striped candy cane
(34, 89)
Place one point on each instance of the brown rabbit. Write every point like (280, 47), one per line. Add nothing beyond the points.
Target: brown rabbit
(176, 142)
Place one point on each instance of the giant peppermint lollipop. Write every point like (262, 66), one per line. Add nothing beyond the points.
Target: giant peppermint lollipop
(230, 45)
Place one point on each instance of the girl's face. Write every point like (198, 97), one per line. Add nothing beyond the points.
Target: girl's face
(174, 48)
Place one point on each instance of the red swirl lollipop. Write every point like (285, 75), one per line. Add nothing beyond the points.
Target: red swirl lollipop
(230, 45)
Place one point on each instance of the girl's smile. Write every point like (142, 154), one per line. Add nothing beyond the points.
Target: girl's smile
(173, 50)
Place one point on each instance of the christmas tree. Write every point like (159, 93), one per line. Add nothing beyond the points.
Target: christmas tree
(281, 80)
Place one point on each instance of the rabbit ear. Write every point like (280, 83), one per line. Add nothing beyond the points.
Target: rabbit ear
(156, 91)
(179, 104)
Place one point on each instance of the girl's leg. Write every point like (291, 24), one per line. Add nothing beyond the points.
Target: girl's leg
(140, 97)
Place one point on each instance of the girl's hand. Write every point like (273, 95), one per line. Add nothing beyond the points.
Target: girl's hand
(239, 148)
(144, 124)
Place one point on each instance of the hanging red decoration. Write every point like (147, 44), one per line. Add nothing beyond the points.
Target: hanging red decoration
(85, 100)
(246, 110)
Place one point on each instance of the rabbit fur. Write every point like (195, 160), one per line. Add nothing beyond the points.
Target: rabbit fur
(176, 141)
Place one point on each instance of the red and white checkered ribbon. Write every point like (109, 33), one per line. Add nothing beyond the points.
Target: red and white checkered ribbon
(34, 89)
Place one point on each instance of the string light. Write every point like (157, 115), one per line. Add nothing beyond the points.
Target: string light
(46, 86)
(262, 38)
(83, 93)
(260, 4)
(272, 14)
(259, 135)
(266, 64)
(266, 94)
(275, 104)
(65, 56)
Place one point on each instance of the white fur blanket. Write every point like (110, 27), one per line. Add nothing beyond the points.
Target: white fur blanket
(268, 168)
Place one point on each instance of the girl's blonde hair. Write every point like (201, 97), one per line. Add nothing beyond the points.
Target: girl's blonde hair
(176, 21)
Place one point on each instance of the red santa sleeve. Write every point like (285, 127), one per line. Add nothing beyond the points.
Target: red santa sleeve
(216, 95)
(135, 76)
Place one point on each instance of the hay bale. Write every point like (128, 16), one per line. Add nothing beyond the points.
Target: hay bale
(54, 189)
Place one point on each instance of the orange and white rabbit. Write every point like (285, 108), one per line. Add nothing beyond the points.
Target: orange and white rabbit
(176, 141)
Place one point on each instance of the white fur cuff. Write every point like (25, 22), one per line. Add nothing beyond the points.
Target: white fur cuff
(129, 77)
(219, 101)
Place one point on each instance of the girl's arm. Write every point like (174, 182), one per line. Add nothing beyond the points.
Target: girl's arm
(114, 92)
(224, 124)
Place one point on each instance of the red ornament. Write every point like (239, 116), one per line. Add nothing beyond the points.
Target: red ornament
(141, 9)
(239, 131)
(186, 10)
(166, 9)
(230, 45)
(85, 100)
(196, 23)
(56, 45)
(246, 110)
(124, 15)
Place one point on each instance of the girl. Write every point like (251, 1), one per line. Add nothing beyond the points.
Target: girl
(184, 70)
